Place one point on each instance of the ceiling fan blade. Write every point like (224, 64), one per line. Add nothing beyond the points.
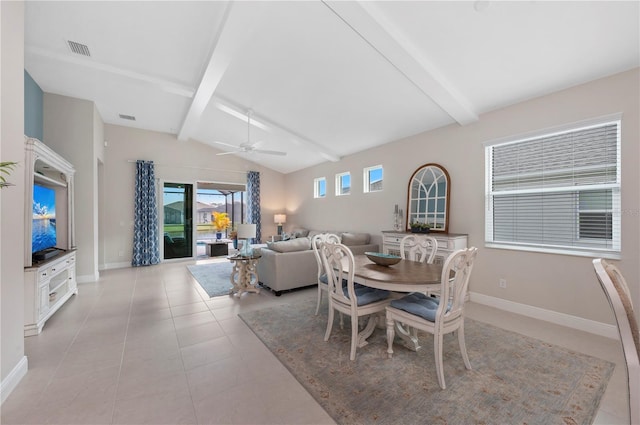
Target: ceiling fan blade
(270, 152)
(227, 144)
(227, 153)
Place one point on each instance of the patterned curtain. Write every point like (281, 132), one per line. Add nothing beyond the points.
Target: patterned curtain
(146, 249)
(253, 202)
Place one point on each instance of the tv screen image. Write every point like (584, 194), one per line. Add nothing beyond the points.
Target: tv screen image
(44, 218)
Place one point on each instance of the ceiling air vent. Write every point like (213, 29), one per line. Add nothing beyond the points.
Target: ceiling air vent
(78, 48)
(127, 117)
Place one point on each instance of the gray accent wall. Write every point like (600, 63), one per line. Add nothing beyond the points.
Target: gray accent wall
(32, 107)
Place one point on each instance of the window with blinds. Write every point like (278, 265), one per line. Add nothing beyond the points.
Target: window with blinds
(557, 192)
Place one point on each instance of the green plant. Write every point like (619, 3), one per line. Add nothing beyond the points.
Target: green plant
(6, 168)
(418, 225)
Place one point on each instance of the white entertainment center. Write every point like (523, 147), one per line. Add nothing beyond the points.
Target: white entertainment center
(51, 280)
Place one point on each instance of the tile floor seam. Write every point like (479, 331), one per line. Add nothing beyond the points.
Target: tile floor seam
(184, 369)
(124, 347)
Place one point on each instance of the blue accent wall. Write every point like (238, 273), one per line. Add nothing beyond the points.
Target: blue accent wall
(32, 108)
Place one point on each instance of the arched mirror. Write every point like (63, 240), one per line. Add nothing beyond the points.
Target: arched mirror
(428, 198)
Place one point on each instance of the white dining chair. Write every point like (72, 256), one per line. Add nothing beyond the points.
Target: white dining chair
(437, 315)
(322, 276)
(617, 291)
(349, 298)
(418, 248)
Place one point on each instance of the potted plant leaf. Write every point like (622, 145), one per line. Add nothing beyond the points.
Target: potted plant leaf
(418, 227)
(6, 168)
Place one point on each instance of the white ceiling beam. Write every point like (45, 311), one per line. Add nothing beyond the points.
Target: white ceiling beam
(368, 21)
(164, 84)
(235, 30)
(272, 127)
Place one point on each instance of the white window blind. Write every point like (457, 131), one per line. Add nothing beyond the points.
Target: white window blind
(557, 192)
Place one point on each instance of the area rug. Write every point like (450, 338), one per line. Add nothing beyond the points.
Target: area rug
(515, 379)
(213, 277)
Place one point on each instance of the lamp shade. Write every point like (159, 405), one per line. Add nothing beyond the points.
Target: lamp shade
(280, 218)
(246, 231)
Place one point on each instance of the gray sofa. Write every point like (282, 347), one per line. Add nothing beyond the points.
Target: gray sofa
(292, 264)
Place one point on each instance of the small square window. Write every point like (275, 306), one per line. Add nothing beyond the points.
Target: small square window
(343, 184)
(373, 179)
(320, 187)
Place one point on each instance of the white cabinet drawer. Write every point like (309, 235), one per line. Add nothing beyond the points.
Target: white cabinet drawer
(392, 240)
(447, 243)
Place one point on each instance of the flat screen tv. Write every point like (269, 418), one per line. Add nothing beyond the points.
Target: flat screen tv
(43, 235)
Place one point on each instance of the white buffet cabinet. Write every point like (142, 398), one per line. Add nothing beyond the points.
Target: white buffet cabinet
(447, 243)
(48, 285)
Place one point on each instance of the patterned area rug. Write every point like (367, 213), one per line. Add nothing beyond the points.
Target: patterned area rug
(213, 277)
(515, 379)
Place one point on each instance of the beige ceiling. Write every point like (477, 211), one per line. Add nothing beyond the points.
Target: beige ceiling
(323, 79)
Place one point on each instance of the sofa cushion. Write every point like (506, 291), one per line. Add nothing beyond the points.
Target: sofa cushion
(298, 244)
(351, 239)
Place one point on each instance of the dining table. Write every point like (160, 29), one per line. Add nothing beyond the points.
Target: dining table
(406, 276)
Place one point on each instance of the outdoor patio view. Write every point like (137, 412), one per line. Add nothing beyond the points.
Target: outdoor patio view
(178, 216)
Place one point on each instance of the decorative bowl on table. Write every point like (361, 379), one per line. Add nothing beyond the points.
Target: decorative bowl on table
(383, 259)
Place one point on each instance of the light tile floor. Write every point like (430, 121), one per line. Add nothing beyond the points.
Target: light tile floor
(147, 345)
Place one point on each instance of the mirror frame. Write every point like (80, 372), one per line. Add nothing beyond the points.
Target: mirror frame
(444, 172)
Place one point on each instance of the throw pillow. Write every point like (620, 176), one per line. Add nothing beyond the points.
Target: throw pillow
(352, 239)
(298, 244)
(299, 233)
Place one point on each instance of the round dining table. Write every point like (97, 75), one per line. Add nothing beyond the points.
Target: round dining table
(406, 276)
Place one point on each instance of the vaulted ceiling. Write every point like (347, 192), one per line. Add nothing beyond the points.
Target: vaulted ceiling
(323, 79)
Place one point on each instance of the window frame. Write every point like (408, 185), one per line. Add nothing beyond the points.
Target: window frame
(340, 187)
(582, 246)
(317, 188)
(366, 172)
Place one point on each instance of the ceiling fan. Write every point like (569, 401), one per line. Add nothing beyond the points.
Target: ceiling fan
(248, 147)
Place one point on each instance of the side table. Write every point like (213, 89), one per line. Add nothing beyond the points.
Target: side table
(244, 276)
(218, 247)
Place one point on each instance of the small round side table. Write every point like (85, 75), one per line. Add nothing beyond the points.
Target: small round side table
(244, 276)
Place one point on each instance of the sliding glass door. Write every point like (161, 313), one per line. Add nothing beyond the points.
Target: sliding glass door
(177, 202)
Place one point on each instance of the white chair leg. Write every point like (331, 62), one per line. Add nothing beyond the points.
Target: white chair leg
(329, 323)
(437, 351)
(319, 300)
(391, 333)
(354, 337)
(463, 347)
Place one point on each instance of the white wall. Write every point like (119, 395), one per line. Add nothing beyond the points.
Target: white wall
(176, 161)
(13, 363)
(71, 127)
(559, 283)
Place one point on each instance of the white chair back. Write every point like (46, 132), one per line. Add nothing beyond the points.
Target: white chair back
(418, 248)
(617, 291)
(339, 265)
(454, 284)
(315, 244)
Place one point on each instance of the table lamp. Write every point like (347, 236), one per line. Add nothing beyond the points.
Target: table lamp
(279, 219)
(246, 232)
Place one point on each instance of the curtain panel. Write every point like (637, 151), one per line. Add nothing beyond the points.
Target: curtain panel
(253, 202)
(146, 248)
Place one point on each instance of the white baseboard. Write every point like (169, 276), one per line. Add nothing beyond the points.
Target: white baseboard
(573, 322)
(15, 376)
(107, 266)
